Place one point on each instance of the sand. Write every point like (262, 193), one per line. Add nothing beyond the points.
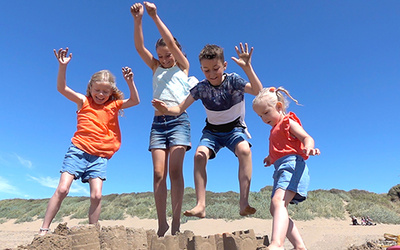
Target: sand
(317, 234)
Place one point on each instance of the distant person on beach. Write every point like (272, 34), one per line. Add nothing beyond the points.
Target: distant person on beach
(222, 95)
(369, 221)
(97, 137)
(170, 135)
(354, 221)
(289, 147)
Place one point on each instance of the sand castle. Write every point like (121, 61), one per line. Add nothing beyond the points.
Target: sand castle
(93, 237)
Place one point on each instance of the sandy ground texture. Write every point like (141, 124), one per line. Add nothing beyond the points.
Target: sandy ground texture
(317, 234)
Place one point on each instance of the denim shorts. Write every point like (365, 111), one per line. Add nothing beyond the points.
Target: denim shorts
(83, 165)
(168, 131)
(291, 173)
(217, 140)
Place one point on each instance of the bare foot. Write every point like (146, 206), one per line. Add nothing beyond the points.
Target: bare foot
(162, 230)
(196, 211)
(175, 228)
(270, 247)
(247, 211)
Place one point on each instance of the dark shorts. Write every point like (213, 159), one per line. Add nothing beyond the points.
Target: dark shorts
(217, 140)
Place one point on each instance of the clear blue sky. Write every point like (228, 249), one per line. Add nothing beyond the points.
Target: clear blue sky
(340, 59)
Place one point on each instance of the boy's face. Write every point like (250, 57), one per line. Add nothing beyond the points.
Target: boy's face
(213, 70)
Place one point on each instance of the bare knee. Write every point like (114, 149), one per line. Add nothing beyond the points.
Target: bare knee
(95, 197)
(175, 173)
(159, 175)
(62, 192)
(243, 150)
(200, 157)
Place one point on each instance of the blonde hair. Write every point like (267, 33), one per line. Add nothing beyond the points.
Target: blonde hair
(271, 96)
(107, 77)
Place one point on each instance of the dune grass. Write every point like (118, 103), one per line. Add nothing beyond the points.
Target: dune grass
(334, 203)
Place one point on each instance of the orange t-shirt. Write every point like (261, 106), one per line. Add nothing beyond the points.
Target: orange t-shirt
(282, 143)
(98, 130)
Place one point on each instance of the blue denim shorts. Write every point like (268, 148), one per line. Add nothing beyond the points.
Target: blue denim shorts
(291, 173)
(168, 131)
(217, 140)
(83, 165)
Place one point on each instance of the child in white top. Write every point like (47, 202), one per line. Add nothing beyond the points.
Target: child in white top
(170, 135)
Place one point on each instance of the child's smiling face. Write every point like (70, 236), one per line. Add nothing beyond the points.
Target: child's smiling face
(101, 92)
(213, 70)
(165, 57)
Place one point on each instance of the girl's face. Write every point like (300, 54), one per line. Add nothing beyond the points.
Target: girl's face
(165, 57)
(269, 114)
(101, 92)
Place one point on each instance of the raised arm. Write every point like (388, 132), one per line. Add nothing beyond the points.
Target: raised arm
(244, 61)
(63, 60)
(308, 142)
(133, 99)
(137, 13)
(175, 110)
(181, 59)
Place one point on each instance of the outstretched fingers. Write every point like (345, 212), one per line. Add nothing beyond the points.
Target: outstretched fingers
(243, 49)
(62, 54)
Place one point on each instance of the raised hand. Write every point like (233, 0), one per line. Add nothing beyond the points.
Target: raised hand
(62, 56)
(137, 10)
(150, 8)
(244, 55)
(127, 73)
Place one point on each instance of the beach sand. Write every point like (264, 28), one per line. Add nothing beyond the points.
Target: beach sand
(317, 234)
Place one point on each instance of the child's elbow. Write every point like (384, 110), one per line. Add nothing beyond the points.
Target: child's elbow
(61, 89)
(136, 102)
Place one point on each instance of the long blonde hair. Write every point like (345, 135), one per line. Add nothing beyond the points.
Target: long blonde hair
(108, 77)
(271, 96)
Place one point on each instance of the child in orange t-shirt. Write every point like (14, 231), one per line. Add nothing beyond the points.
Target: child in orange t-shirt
(289, 147)
(97, 137)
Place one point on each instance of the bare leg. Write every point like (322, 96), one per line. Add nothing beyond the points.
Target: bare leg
(294, 236)
(177, 154)
(282, 225)
(160, 159)
(96, 186)
(200, 180)
(243, 153)
(55, 201)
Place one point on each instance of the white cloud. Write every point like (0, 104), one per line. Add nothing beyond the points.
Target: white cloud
(76, 187)
(7, 188)
(24, 162)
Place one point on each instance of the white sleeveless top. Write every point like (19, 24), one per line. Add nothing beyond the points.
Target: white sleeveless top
(172, 85)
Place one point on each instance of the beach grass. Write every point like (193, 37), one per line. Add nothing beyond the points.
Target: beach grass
(334, 203)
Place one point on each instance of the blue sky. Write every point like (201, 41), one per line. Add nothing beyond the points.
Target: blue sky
(340, 59)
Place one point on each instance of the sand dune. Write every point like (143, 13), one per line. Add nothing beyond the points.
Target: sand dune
(317, 234)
